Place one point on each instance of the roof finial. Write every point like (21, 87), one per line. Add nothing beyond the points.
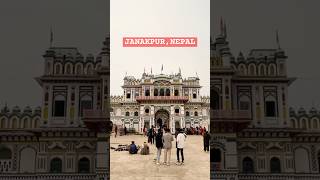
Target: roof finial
(225, 29)
(151, 70)
(51, 36)
(179, 70)
(277, 39)
(161, 68)
(221, 26)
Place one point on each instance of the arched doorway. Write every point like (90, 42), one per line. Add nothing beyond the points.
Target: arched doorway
(162, 118)
(215, 100)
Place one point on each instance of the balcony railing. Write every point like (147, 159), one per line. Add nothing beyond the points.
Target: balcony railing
(230, 115)
(162, 98)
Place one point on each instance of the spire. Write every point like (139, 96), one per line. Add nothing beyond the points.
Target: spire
(277, 39)
(51, 37)
(179, 70)
(225, 30)
(151, 70)
(161, 68)
(221, 26)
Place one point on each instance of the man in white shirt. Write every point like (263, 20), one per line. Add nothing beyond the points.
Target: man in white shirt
(181, 138)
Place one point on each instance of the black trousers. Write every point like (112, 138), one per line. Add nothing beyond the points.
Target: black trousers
(182, 157)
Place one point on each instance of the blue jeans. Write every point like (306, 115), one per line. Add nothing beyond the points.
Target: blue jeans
(158, 154)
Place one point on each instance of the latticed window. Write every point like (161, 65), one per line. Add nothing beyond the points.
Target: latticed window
(275, 165)
(84, 165)
(56, 165)
(247, 165)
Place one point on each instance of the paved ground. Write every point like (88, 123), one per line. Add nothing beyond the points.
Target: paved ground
(142, 167)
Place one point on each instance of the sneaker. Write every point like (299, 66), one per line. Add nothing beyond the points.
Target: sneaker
(168, 164)
(182, 163)
(178, 163)
(158, 163)
(164, 163)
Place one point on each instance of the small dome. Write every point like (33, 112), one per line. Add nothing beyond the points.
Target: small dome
(37, 110)
(313, 111)
(16, 109)
(27, 109)
(302, 111)
(79, 57)
(5, 109)
(90, 57)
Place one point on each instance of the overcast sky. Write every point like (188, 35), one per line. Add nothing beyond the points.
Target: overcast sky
(252, 24)
(24, 37)
(160, 18)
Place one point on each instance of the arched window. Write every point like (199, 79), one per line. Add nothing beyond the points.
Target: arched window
(215, 155)
(242, 69)
(49, 68)
(167, 92)
(147, 93)
(187, 113)
(136, 113)
(84, 165)
(2, 124)
(275, 166)
(56, 165)
(272, 70)
(5, 153)
(247, 165)
(176, 92)
(262, 70)
(196, 113)
(214, 100)
(161, 92)
(252, 70)
(79, 69)
(127, 113)
(177, 110)
(89, 69)
(155, 93)
(68, 69)
(58, 68)
(146, 111)
(59, 106)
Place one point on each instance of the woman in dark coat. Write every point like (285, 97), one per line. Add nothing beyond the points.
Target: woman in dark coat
(206, 141)
(159, 144)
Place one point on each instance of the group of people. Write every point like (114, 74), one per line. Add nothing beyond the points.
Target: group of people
(116, 130)
(196, 131)
(164, 141)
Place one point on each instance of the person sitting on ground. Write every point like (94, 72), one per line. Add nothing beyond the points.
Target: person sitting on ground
(133, 148)
(145, 149)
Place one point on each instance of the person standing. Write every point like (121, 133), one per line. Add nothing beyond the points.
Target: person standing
(206, 141)
(181, 138)
(159, 144)
(125, 130)
(150, 135)
(167, 145)
(115, 131)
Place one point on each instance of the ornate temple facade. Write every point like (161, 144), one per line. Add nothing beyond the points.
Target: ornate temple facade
(160, 100)
(67, 136)
(255, 135)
